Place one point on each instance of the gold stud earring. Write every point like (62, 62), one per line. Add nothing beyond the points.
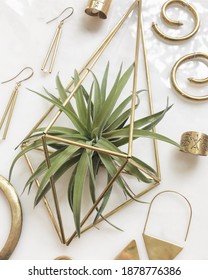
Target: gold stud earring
(158, 249)
(52, 51)
(192, 56)
(11, 103)
(16, 218)
(174, 23)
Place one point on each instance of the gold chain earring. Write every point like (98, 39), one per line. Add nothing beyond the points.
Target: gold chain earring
(188, 57)
(52, 51)
(175, 23)
(11, 103)
(158, 249)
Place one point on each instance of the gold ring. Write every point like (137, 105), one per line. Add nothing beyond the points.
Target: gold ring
(196, 81)
(177, 23)
(195, 143)
(98, 8)
(16, 218)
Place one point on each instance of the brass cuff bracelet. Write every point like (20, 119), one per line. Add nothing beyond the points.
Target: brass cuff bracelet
(16, 218)
(195, 143)
(98, 8)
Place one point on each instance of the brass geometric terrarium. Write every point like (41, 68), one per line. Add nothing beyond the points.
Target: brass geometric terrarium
(122, 159)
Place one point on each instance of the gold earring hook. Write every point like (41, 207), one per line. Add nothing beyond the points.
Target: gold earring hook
(177, 193)
(177, 23)
(19, 82)
(158, 249)
(193, 80)
(62, 21)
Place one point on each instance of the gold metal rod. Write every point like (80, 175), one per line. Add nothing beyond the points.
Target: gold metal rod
(144, 170)
(98, 200)
(120, 207)
(58, 139)
(107, 39)
(96, 56)
(134, 90)
(48, 208)
(39, 122)
(156, 153)
(55, 49)
(10, 113)
(54, 41)
(58, 212)
(7, 108)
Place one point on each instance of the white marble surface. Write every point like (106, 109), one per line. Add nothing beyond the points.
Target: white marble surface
(24, 40)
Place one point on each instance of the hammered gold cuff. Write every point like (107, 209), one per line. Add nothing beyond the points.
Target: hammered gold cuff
(98, 8)
(195, 143)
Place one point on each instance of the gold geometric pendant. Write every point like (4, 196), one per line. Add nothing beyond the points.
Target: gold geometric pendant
(130, 252)
(158, 249)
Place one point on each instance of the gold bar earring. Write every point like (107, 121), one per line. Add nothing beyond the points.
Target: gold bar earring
(11, 103)
(52, 51)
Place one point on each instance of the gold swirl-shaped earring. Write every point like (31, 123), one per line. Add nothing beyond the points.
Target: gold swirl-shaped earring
(175, 23)
(192, 80)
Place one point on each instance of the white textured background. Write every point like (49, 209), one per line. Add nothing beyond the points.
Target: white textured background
(24, 40)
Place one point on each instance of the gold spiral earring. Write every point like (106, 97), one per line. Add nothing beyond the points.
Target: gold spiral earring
(175, 23)
(174, 82)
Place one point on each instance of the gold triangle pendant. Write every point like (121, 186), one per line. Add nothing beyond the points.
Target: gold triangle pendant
(158, 249)
(130, 252)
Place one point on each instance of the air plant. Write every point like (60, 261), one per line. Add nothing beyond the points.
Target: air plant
(97, 121)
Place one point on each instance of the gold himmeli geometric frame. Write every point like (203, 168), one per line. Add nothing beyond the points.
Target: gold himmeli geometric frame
(57, 222)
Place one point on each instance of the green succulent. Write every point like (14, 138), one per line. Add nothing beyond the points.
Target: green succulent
(98, 121)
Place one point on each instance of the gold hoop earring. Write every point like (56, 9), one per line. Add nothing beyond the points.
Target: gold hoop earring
(52, 51)
(174, 23)
(12, 101)
(98, 8)
(192, 80)
(158, 249)
(16, 218)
